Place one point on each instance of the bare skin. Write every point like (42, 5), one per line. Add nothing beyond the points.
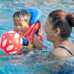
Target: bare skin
(21, 24)
(53, 35)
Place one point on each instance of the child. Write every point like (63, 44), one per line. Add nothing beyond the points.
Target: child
(27, 25)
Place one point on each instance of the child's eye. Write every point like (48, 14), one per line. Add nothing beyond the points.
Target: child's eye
(26, 20)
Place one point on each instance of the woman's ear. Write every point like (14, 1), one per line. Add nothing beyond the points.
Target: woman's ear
(57, 31)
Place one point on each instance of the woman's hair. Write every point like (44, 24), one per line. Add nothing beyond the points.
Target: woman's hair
(64, 22)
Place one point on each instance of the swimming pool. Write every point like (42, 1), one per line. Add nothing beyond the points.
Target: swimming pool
(35, 62)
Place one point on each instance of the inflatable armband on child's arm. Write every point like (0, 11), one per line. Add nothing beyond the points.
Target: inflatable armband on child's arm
(35, 13)
(32, 30)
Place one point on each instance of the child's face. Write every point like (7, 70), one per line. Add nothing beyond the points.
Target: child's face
(22, 23)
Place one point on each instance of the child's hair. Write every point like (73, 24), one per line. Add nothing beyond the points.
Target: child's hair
(22, 12)
(64, 24)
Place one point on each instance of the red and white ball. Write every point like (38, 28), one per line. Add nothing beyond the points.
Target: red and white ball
(11, 42)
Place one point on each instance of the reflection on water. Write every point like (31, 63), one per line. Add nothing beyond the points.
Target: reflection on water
(35, 63)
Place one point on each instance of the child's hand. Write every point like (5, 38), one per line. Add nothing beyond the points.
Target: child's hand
(37, 42)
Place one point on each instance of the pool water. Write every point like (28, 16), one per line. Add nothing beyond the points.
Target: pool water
(34, 62)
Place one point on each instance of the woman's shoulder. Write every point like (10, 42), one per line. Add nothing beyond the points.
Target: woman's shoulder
(60, 53)
(72, 48)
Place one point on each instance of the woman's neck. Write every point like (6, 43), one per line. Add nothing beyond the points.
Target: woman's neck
(58, 42)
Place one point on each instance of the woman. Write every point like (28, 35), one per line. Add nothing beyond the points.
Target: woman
(58, 28)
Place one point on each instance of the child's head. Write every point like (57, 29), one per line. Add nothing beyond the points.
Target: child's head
(21, 21)
(59, 25)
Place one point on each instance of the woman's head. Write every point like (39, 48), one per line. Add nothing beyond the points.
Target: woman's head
(21, 20)
(59, 25)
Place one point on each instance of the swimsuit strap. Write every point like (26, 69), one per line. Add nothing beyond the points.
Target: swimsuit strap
(66, 49)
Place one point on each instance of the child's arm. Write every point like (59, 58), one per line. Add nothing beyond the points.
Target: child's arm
(38, 41)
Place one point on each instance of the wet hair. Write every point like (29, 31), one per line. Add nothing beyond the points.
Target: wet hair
(21, 12)
(64, 24)
(16, 14)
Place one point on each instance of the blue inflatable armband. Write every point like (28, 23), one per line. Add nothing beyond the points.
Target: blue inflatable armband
(35, 14)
